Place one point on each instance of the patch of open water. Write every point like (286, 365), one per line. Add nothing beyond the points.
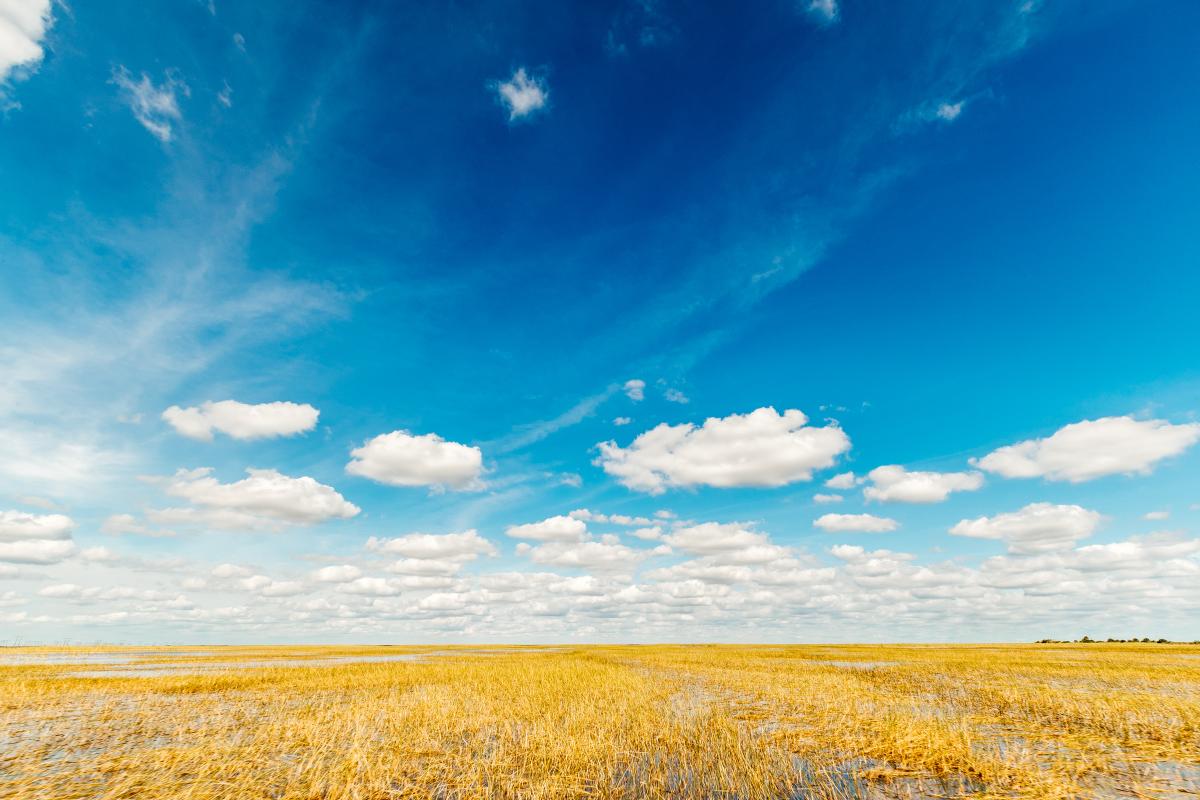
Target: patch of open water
(134, 664)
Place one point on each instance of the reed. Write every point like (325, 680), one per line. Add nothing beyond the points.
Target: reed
(1044, 721)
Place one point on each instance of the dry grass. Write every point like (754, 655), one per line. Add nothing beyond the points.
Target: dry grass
(1046, 721)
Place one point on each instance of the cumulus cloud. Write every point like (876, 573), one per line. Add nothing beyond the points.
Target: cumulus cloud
(825, 499)
(427, 567)
(603, 555)
(1156, 516)
(265, 499)
(23, 26)
(231, 571)
(242, 420)
(843, 480)
(726, 542)
(401, 459)
(619, 421)
(762, 448)
(337, 574)
(36, 551)
(522, 95)
(269, 587)
(35, 538)
(635, 389)
(1084, 451)
(17, 526)
(895, 484)
(464, 546)
(855, 523)
(376, 587)
(155, 106)
(555, 529)
(1036, 528)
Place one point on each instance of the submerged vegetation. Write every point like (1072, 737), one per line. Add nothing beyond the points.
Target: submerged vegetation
(1046, 721)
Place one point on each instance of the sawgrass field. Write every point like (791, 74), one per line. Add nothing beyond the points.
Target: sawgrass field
(705, 721)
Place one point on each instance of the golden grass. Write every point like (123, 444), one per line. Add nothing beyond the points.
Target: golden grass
(1044, 721)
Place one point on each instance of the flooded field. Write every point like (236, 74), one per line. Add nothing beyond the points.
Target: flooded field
(1046, 721)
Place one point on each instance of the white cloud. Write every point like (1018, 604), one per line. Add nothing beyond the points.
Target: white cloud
(427, 566)
(266, 498)
(231, 571)
(652, 533)
(17, 526)
(44, 503)
(377, 587)
(554, 529)
(823, 499)
(58, 590)
(154, 106)
(948, 112)
(1036, 528)
(618, 421)
(826, 11)
(242, 420)
(762, 448)
(713, 538)
(616, 519)
(1083, 451)
(464, 546)
(843, 480)
(635, 389)
(676, 396)
(895, 484)
(36, 551)
(602, 555)
(99, 555)
(119, 524)
(337, 574)
(23, 25)
(1156, 516)
(859, 523)
(269, 587)
(522, 94)
(402, 459)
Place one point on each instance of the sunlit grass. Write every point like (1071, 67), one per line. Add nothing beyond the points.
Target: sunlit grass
(1045, 721)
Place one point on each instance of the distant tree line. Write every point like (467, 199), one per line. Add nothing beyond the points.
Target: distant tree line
(1089, 640)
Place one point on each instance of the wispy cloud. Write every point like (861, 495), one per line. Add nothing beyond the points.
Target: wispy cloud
(155, 106)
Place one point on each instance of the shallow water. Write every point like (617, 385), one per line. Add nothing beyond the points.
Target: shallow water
(122, 657)
(137, 664)
(860, 664)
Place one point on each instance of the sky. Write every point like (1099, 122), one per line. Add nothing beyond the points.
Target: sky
(634, 320)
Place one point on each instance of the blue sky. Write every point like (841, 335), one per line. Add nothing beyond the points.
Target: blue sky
(773, 322)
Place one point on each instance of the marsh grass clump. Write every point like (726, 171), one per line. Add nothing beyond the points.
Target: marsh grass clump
(1036, 721)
